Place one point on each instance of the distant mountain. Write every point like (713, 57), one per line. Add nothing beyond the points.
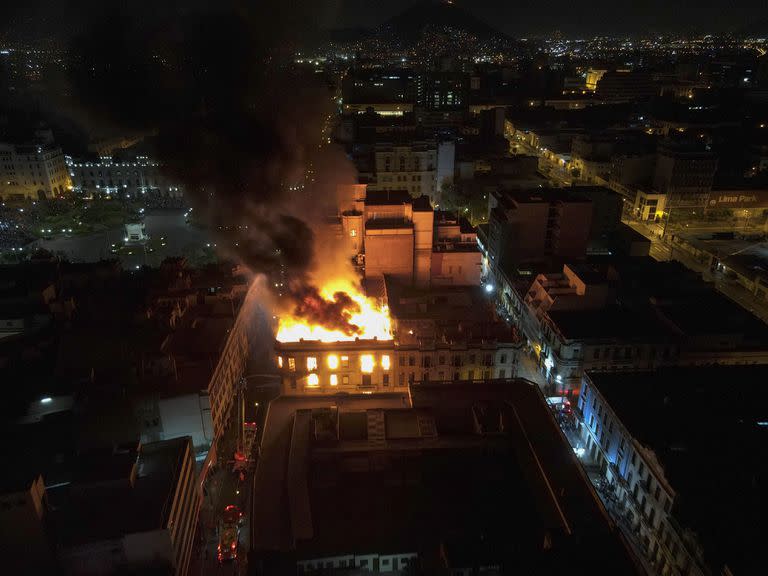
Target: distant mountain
(410, 25)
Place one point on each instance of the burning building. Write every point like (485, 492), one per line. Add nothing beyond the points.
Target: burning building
(408, 336)
(335, 340)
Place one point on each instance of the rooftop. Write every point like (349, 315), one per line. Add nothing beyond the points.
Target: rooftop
(96, 507)
(387, 197)
(608, 323)
(709, 430)
(464, 464)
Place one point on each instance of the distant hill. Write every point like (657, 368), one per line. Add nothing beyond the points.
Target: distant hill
(411, 26)
(408, 26)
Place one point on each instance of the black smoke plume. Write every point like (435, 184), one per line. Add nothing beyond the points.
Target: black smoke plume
(334, 314)
(230, 118)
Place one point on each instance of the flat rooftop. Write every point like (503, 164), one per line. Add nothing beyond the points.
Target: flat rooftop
(610, 322)
(118, 495)
(387, 197)
(709, 428)
(466, 464)
(546, 196)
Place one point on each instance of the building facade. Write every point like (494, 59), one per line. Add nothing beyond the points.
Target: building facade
(638, 481)
(35, 171)
(685, 176)
(108, 175)
(537, 225)
(410, 166)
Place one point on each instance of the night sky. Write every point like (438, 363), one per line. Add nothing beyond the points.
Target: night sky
(518, 18)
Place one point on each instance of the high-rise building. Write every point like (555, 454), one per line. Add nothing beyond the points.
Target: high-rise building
(442, 90)
(536, 225)
(405, 238)
(409, 165)
(684, 174)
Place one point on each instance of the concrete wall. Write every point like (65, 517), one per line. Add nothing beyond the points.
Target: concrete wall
(389, 251)
(575, 226)
(187, 415)
(456, 268)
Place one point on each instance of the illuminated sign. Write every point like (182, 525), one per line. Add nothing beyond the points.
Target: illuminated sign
(752, 199)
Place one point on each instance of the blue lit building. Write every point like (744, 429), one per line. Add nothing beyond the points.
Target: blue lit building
(681, 452)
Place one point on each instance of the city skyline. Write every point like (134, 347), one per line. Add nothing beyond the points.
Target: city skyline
(42, 19)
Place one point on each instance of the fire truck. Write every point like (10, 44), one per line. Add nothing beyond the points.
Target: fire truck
(229, 534)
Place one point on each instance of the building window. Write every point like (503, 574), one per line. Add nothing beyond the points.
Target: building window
(334, 380)
(441, 360)
(385, 379)
(503, 359)
(311, 363)
(502, 373)
(411, 360)
(366, 363)
(313, 380)
(385, 364)
(292, 364)
(345, 361)
(333, 362)
(470, 375)
(345, 379)
(402, 360)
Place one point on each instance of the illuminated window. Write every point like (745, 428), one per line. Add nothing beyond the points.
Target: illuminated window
(345, 379)
(385, 362)
(353, 233)
(345, 361)
(292, 364)
(313, 380)
(333, 362)
(334, 380)
(311, 363)
(366, 363)
(280, 361)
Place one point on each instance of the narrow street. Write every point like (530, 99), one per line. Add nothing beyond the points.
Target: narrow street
(227, 486)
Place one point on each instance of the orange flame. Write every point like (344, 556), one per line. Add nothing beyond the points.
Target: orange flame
(372, 319)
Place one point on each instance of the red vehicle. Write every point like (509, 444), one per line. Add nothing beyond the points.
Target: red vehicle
(229, 534)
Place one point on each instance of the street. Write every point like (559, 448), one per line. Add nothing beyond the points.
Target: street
(663, 249)
(228, 487)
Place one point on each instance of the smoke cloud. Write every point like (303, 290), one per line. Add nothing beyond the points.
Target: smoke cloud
(232, 121)
(334, 315)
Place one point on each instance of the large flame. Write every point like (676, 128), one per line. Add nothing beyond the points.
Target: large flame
(367, 320)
